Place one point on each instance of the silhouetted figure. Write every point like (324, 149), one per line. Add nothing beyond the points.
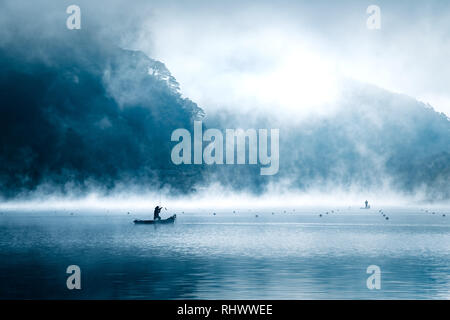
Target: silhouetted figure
(156, 213)
(367, 204)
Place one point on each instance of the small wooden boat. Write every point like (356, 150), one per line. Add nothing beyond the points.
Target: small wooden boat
(162, 221)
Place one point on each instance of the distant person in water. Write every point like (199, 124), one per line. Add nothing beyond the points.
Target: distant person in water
(156, 213)
(367, 203)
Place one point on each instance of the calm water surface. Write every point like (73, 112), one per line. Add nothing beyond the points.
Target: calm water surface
(292, 255)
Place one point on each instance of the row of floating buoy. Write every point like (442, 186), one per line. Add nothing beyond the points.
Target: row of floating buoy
(383, 214)
(329, 212)
(256, 215)
(433, 212)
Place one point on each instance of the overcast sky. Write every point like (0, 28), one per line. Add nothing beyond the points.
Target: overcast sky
(267, 54)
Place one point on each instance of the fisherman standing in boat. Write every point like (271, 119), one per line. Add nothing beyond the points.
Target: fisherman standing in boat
(156, 213)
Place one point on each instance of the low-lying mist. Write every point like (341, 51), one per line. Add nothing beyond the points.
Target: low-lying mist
(218, 198)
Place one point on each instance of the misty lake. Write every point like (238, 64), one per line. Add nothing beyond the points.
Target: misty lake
(286, 255)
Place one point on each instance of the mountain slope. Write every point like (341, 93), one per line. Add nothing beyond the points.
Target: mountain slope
(74, 120)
